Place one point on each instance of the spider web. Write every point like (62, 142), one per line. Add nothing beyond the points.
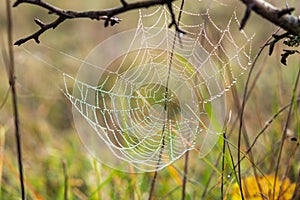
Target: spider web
(144, 97)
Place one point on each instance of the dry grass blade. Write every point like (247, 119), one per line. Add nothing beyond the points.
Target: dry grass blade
(2, 143)
(284, 134)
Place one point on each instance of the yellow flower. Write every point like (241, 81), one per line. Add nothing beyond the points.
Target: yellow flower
(251, 189)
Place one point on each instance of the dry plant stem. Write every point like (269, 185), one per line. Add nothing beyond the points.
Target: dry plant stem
(288, 167)
(152, 185)
(269, 122)
(2, 144)
(245, 96)
(240, 129)
(296, 194)
(169, 4)
(165, 121)
(206, 189)
(107, 15)
(12, 83)
(237, 103)
(284, 134)
(64, 165)
(251, 88)
(231, 159)
(223, 164)
(280, 17)
(159, 160)
(186, 163)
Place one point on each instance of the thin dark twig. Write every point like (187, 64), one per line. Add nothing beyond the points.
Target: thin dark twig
(232, 160)
(165, 109)
(152, 185)
(246, 15)
(285, 131)
(186, 161)
(173, 22)
(255, 79)
(108, 15)
(285, 11)
(288, 167)
(158, 162)
(245, 135)
(245, 96)
(238, 108)
(217, 161)
(242, 115)
(124, 2)
(35, 36)
(251, 88)
(166, 96)
(223, 164)
(269, 122)
(12, 83)
(296, 194)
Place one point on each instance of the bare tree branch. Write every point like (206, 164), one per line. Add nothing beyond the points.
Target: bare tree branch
(106, 15)
(280, 17)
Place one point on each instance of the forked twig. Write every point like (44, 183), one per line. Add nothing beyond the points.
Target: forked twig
(108, 15)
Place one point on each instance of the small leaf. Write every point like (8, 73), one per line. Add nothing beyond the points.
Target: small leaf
(272, 44)
(285, 55)
(106, 22)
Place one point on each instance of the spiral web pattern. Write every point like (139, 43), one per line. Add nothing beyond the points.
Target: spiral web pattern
(144, 97)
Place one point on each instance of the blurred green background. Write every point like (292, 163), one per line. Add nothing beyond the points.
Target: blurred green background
(49, 136)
